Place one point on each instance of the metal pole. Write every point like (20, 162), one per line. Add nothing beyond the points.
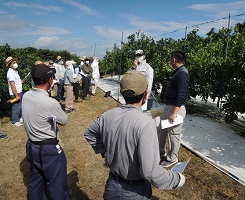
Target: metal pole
(120, 66)
(94, 49)
(227, 42)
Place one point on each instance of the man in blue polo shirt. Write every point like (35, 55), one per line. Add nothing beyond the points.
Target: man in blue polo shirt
(175, 96)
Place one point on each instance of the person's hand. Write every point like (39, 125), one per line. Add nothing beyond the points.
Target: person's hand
(135, 63)
(17, 98)
(172, 117)
(23, 81)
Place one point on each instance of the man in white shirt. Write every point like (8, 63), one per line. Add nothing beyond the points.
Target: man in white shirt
(142, 66)
(15, 91)
(95, 75)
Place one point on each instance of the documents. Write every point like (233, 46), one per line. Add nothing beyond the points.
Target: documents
(166, 123)
(180, 166)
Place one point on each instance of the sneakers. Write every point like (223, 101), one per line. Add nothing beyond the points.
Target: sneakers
(3, 136)
(168, 163)
(21, 120)
(17, 124)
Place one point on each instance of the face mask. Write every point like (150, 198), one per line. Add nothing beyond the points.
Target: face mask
(139, 58)
(62, 62)
(81, 63)
(15, 65)
(87, 62)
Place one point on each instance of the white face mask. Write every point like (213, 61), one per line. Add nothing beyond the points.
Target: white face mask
(15, 65)
(87, 62)
(139, 58)
(81, 63)
(62, 62)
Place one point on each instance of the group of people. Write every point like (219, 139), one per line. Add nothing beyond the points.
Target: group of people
(133, 147)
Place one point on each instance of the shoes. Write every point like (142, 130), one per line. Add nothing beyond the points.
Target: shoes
(93, 94)
(70, 110)
(77, 101)
(86, 98)
(21, 120)
(3, 136)
(17, 124)
(168, 163)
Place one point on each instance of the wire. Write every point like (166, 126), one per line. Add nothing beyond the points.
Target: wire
(196, 25)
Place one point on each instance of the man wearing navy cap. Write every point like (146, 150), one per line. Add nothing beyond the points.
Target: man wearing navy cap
(47, 160)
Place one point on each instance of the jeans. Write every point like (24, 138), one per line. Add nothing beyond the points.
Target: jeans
(115, 189)
(16, 109)
(60, 94)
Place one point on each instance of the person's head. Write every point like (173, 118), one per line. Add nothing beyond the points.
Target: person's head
(11, 62)
(139, 56)
(51, 63)
(133, 87)
(42, 76)
(177, 58)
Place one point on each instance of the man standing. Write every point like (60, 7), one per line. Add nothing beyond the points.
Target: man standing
(142, 66)
(95, 75)
(176, 96)
(59, 75)
(47, 160)
(86, 72)
(127, 139)
(15, 91)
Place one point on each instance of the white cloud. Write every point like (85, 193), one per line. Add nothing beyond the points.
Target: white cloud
(82, 7)
(11, 23)
(220, 10)
(76, 46)
(47, 30)
(47, 8)
(46, 41)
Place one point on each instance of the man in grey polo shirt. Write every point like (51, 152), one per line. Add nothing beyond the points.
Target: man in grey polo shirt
(127, 139)
(47, 160)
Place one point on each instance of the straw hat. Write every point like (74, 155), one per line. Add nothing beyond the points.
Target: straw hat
(9, 60)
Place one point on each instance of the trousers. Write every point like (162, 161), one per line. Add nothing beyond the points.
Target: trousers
(125, 190)
(16, 109)
(173, 134)
(48, 172)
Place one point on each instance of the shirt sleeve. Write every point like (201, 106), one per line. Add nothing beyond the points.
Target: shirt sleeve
(149, 158)
(149, 77)
(60, 115)
(182, 88)
(94, 138)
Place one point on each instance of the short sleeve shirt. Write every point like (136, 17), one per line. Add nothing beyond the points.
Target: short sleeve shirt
(13, 75)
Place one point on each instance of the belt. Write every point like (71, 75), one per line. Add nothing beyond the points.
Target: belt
(45, 142)
(129, 182)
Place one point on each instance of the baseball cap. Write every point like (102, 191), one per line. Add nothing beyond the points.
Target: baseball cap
(139, 52)
(133, 83)
(41, 73)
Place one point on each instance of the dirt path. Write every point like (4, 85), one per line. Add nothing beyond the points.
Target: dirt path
(86, 173)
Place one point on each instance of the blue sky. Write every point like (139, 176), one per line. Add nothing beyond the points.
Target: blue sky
(88, 27)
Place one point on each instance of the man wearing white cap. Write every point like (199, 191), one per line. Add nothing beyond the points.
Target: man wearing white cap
(142, 66)
(95, 75)
(15, 91)
(127, 139)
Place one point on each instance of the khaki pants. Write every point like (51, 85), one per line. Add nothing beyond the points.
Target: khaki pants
(173, 134)
(69, 97)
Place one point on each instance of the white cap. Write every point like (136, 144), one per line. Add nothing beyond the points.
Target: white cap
(139, 51)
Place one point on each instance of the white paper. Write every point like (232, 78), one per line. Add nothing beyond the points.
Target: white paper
(166, 123)
(180, 166)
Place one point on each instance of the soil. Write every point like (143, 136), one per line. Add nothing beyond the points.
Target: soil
(86, 173)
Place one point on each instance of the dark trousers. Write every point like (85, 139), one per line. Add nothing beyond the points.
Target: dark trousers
(86, 83)
(48, 172)
(16, 109)
(76, 90)
(61, 90)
